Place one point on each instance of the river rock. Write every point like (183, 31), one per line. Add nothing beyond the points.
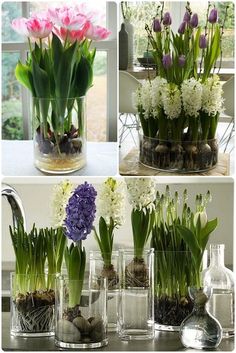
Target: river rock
(82, 324)
(97, 332)
(67, 332)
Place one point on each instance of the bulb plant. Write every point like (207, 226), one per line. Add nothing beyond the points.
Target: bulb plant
(111, 210)
(179, 237)
(181, 106)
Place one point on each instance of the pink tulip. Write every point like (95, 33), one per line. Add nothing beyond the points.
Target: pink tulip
(97, 32)
(71, 36)
(19, 25)
(39, 27)
(67, 17)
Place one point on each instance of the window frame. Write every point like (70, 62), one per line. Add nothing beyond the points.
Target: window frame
(109, 46)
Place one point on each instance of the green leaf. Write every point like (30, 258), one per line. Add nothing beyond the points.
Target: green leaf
(83, 77)
(24, 76)
(189, 237)
(205, 232)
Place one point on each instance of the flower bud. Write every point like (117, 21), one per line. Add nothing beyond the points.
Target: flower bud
(187, 17)
(203, 219)
(202, 41)
(156, 25)
(182, 28)
(213, 16)
(167, 61)
(194, 21)
(182, 60)
(167, 19)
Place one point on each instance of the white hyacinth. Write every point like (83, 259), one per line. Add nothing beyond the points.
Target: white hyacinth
(191, 97)
(171, 100)
(111, 201)
(60, 197)
(212, 96)
(141, 193)
(143, 98)
(158, 85)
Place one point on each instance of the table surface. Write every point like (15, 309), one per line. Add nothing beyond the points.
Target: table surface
(17, 159)
(130, 165)
(164, 341)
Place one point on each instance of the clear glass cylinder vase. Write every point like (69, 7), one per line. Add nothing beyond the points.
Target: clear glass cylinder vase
(32, 305)
(81, 313)
(59, 133)
(136, 305)
(107, 266)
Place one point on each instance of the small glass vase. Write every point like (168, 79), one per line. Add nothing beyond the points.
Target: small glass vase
(32, 305)
(98, 269)
(136, 305)
(81, 324)
(200, 330)
(221, 279)
(178, 156)
(59, 132)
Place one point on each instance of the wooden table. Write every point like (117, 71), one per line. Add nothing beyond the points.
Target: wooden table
(130, 165)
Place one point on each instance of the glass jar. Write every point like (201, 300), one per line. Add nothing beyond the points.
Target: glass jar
(221, 279)
(32, 305)
(110, 270)
(200, 330)
(59, 132)
(178, 156)
(136, 306)
(81, 319)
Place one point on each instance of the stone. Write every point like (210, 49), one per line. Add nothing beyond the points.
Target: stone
(97, 332)
(82, 324)
(67, 332)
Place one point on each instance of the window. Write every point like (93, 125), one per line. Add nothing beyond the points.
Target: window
(101, 106)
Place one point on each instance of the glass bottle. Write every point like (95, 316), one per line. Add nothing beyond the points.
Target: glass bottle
(200, 330)
(220, 278)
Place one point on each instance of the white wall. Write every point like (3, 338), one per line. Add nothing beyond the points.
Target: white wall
(36, 200)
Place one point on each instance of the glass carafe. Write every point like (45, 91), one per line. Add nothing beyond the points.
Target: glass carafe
(220, 278)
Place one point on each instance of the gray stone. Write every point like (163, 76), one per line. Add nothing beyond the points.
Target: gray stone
(97, 332)
(67, 332)
(82, 324)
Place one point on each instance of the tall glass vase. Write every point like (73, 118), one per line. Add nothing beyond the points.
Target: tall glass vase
(136, 306)
(81, 313)
(100, 269)
(59, 132)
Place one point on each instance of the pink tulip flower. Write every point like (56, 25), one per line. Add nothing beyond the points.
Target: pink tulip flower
(19, 25)
(67, 17)
(71, 36)
(97, 32)
(39, 27)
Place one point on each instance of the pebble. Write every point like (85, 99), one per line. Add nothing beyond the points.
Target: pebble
(82, 324)
(97, 332)
(67, 332)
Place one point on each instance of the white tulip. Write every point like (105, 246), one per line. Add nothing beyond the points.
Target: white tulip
(203, 219)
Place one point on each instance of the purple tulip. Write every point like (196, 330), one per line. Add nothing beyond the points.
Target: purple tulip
(156, 25)
(182, 28)
(167, 19)
(202, 41)
(213, 16)
(167, 61)
(194, 21)
(187, 17)
(182, 60)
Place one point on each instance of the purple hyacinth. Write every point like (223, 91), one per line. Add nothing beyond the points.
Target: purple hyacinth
(167, 19)
(213, 16)
(156, 25)
(167, 61)
(80, 212)
(194, 21)
(202, 41)
(187, 17)
(182, 60)
(182, 28)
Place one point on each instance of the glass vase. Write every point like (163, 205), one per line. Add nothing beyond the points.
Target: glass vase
(200, 330)
(32, 305)
(174, 272)
(221, 279)
(107, 269)
(178, 156)
(136, 305)
(59, 132)
(81, 313)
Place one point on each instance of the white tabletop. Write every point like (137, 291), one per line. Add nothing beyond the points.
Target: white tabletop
(17, 159)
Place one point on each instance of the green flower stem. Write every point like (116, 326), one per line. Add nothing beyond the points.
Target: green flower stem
(205, 120)
(213, 126)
